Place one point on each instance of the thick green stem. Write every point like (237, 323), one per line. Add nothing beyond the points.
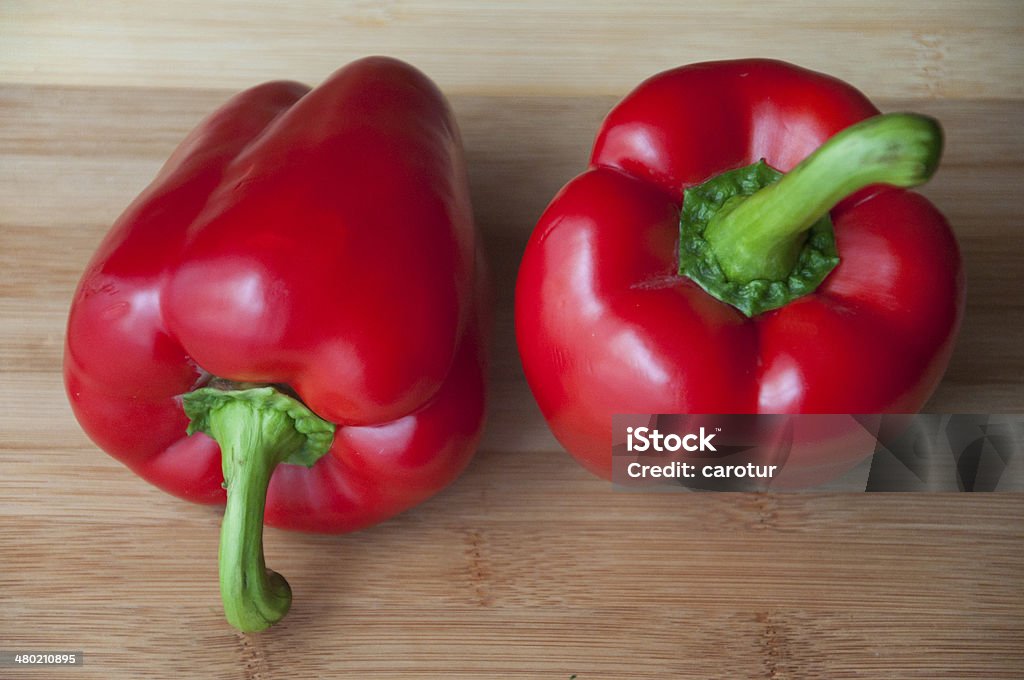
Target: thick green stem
(257, 430)
(760, 236)
(251, 444)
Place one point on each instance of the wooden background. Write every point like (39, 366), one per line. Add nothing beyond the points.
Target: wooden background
(527, 567)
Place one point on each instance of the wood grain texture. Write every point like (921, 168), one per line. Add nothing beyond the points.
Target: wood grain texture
(924, 48)
(527, 567)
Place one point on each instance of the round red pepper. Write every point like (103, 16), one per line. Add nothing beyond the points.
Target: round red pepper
(607, 324)
(302, 275)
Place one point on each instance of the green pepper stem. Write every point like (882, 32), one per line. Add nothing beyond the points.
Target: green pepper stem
(760, 236)
(252, 444)
(257, 430)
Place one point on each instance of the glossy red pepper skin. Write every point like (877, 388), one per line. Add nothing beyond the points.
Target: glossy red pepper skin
(606, 325)
(321, 239)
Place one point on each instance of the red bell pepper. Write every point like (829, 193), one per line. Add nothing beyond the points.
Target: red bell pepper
(678, 274)
(302, 280)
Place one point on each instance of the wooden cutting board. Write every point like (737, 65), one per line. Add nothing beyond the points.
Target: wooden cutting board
(526, 567)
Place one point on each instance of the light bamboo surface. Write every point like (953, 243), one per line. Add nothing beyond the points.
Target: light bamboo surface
(527, 567)
(948, 48)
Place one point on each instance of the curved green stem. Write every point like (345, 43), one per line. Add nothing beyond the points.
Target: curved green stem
(257, 430)
(760, 236)
(254, 597)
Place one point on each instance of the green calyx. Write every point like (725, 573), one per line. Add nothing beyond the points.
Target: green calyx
(758, 239)
(257, 429)
(316, 433)
(815, 256)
